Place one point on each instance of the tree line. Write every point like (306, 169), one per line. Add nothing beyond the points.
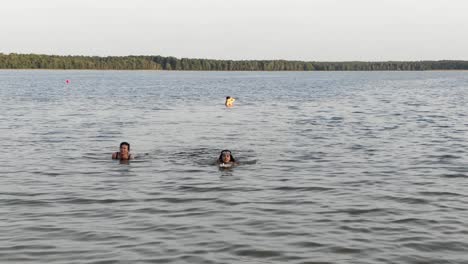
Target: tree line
(36, 61)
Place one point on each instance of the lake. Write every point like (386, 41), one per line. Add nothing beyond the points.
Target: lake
(335, 167)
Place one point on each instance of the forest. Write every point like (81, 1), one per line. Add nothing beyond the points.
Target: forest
(39, 61)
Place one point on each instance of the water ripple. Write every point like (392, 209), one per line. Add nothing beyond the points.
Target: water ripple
(334, 167)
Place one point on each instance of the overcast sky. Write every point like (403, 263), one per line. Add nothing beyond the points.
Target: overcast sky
(311, 30)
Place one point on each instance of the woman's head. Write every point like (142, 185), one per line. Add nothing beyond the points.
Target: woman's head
(124, 147)
(226, 157)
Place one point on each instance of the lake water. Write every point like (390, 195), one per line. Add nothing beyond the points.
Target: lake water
(335, 167)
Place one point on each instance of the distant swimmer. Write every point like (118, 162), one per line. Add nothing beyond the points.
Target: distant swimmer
(229, 101)
(124, 153)
(226, 159)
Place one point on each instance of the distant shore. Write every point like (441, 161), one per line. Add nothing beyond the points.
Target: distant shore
(143, 70)
(159, 63)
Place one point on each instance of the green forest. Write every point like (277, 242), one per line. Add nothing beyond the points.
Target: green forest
(36, 61)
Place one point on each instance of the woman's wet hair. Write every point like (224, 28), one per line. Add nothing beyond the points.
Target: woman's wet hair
(220, 159)
(125, 143)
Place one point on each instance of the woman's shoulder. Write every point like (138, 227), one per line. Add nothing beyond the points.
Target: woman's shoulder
(228, 164)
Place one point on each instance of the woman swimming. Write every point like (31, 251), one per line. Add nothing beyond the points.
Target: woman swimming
(124, 153)
(226, 159)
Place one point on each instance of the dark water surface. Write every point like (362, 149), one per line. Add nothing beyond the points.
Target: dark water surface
(336, 167)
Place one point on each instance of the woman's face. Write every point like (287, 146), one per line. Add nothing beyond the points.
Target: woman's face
(124, 149)
(226, 157)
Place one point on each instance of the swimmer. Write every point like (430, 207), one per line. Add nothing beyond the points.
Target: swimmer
(226, 159)
(229, 101)
(124, 153)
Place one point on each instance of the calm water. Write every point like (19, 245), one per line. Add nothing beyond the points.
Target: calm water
(336, 167)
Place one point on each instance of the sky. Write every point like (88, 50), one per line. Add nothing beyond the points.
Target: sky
(307, 30)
